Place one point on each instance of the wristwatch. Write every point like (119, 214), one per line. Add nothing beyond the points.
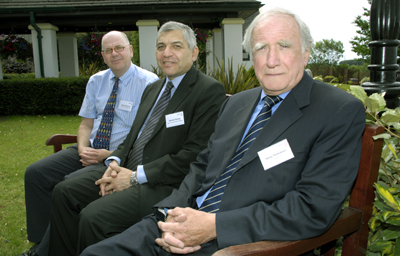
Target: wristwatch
(134, 180)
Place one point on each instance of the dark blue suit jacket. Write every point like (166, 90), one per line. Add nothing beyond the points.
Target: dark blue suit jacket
(297, 199)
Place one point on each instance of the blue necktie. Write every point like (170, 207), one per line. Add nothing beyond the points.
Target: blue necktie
(136, 153)
(213, 199)
(102, 139)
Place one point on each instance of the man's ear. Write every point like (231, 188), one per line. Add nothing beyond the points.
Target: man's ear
(306, 57)
(195, 53)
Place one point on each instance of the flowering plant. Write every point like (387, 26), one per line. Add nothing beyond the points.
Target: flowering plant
(11, 45)
(89, 49)
(201, 38)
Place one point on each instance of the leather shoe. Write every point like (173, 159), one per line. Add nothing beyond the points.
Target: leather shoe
(31, 251)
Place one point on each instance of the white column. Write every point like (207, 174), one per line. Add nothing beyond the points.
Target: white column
(232, 33)
(218, 44)
(49, 45)
(147, 43)
(69, 65)
(210, 56)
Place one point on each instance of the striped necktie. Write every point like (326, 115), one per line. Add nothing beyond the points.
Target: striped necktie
(136, 153)
(103, 135)
(213, 199)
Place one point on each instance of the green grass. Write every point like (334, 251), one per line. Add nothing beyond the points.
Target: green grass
(22, 142)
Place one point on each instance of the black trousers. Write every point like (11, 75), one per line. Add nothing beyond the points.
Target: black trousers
(40, 179)
(81, 217)
(139, 240)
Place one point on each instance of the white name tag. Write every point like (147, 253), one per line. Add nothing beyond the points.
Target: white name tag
(275, 154)
(125, 105)
(174, 119)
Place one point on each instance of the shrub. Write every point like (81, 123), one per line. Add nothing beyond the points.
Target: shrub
(43, 96)
(19, 76)
(233, 83)
(385, 223)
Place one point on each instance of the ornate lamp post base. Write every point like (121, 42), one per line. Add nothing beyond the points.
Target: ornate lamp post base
(384, 25)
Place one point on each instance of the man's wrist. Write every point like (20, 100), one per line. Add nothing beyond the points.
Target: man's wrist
(134, 180)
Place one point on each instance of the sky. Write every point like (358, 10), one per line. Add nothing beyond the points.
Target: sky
(326, 19)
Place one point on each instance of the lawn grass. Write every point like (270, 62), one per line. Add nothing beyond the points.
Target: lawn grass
(22, 140)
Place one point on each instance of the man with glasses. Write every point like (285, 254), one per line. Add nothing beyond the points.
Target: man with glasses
(175, 119)
(92, 147)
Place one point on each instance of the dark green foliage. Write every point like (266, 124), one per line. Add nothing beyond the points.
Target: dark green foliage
(18, 76)
(44, 96)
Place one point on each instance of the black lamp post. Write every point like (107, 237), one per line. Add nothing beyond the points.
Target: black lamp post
(385, 29)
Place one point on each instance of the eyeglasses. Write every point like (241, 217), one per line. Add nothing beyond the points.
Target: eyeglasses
(117, 48)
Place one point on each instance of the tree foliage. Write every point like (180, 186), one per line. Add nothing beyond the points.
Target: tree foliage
(327, 52)
(361, 41)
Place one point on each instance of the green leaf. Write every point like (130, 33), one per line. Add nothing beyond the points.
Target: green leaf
(385, 247)
(391, 147)
(395, 166)
(383, 136)
(372, 105)
(394, 221)
(374, 223)
(387, 154)
(387, 197)
(359, 93)
(382, 207)
(390, 116)
(387, 215)
(397, 247)
(391, 233)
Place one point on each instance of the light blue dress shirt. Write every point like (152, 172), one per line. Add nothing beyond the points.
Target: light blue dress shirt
(130, 90)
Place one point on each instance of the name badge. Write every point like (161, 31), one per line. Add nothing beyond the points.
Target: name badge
(125, 105)
(174, 119)
(275, 154)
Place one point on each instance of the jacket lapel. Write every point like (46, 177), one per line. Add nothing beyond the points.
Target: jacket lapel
(179, 96)
(240, 120)
(146, 106)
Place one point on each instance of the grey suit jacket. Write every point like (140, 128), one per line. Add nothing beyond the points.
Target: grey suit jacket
(297, 199)
(169, 151)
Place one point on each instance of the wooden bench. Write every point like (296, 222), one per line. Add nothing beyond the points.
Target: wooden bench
(57, 140)
(352, 224)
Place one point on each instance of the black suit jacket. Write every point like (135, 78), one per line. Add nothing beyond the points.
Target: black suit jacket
(297, 199)
(169, 151)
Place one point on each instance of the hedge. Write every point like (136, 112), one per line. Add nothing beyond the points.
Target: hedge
(44, 96)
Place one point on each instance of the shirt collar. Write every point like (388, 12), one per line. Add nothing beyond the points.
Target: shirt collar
(176, 81)
(125, 77)
(282, 95)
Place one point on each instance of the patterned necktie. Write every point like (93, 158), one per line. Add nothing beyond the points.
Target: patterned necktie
(213, 199)
(136, 153)
(102, 139)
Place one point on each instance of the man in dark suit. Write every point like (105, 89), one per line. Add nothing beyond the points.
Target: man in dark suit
(153, 159)
(285, 180)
